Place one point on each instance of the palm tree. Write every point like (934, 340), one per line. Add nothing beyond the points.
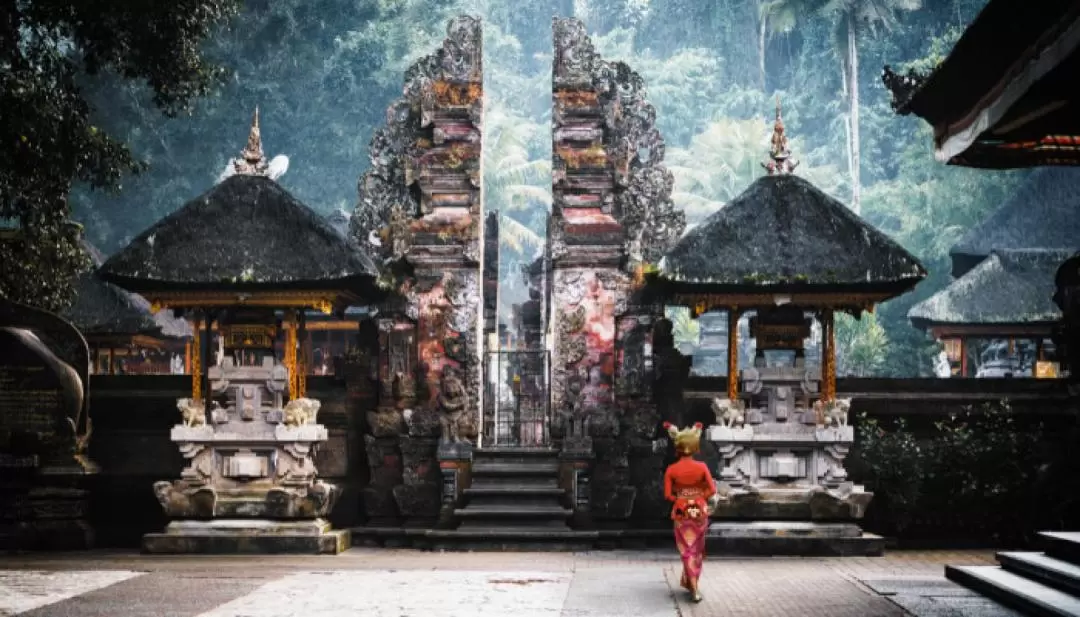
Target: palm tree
(852, 14)
(777, 17)
(518, 186)
(725, 159)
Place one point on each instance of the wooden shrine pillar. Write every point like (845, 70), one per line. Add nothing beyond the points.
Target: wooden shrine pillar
(733, 354)
(195, 355)
(187, 355)
(963, 358)
(302, 359)
(290, 353)
(828, 356)
(204, 352)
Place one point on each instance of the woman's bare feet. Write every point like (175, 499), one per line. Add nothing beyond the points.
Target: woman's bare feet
(695, 595)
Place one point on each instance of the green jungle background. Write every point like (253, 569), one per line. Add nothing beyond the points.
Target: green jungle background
(323, 72)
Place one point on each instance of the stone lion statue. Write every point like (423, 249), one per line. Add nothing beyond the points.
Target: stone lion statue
(834, 412)
(301, 411)
(729, 412)
(451, 404)
(193, 412)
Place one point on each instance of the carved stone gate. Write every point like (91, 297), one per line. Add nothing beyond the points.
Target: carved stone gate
(517, 410)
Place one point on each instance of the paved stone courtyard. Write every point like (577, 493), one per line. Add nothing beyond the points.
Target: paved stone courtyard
(399, 583)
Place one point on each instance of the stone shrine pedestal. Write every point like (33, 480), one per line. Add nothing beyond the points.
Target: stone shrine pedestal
(250, 485)
(782, 488)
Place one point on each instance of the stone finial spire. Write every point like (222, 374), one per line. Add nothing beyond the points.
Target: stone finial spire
(779, 152)
(252, 162)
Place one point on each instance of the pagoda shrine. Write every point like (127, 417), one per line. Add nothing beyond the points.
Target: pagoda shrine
(790, 254)
(229, 259)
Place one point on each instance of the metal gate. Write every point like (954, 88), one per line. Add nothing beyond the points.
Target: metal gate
(517, 405)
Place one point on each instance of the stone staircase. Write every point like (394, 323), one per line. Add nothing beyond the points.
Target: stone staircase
(1042, 584)
(514, 503)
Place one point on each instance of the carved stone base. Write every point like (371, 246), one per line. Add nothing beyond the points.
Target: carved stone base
(182, 501)
(233, 536)
(51, 517)
(791, 538)
(46, 535)
(796, 503)
(455, 464)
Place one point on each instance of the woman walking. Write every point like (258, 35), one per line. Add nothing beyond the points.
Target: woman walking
(689, 484)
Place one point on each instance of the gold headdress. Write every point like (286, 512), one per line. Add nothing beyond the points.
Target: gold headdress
(688, 440)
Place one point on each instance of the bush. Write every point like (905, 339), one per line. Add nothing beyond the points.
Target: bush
(978, 476)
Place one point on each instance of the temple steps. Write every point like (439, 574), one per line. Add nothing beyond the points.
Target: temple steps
(513, 503)
(1046, 583)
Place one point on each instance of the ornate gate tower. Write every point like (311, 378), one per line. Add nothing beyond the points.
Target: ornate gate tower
(420, 205)
(612, 217)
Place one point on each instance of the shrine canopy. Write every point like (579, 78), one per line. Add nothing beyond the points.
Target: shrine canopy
(1005, 95)
(1009, 294)
(1041, 214)
(245, 242)
(784, 241)
(780, 248)
(120, 324)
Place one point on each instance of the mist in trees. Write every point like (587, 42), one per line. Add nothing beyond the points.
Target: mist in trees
(323, 72)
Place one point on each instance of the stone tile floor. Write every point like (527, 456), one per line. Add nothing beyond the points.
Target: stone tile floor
(404, 583)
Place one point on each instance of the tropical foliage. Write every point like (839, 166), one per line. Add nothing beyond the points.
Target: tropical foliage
(323, 72)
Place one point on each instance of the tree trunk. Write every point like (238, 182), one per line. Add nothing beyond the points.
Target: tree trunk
(853, 97)
(762, 23)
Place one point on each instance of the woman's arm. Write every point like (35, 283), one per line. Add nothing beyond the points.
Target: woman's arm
(710, 483)
(668, 480)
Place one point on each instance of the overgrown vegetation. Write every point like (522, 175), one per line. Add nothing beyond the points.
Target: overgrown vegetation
(323, 72)
(51, 136)
(982, 475)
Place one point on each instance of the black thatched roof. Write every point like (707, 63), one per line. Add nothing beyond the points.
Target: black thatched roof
(245, 233)
(339, 219)
(1009, 287)
(783, 234)
(104, 308)
(1043, 214)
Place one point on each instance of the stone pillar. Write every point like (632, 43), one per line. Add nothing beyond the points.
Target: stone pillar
(455, 465)
(612, 217)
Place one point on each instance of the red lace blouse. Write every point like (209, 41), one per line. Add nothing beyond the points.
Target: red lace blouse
(688, 482)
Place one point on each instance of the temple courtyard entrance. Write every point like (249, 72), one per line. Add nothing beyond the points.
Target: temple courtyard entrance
(400, 583)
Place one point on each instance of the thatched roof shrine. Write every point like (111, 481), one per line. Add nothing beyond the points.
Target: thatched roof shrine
(1009, 288)
(1043, 214)
(246, 234)
(102, 308)
(784, 235)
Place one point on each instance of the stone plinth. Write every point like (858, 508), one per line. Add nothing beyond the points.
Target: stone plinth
(791, 538)
(786, 471)
(250, 484)
(248, 536)
(782, 488)
(455, 464)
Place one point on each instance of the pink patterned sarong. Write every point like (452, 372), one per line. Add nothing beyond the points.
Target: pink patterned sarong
(690, 540)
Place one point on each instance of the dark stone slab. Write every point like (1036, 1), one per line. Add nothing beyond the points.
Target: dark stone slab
(44, 432)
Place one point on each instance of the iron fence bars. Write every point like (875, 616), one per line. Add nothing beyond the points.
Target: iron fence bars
(517, 399)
